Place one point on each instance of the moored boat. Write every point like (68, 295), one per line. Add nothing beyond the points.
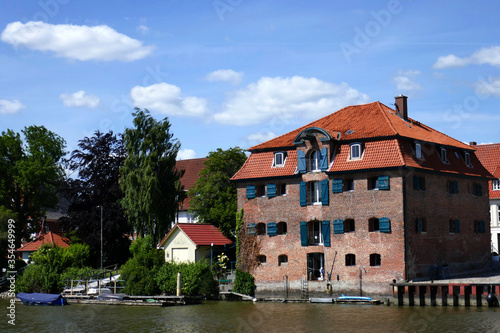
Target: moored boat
(41, 299)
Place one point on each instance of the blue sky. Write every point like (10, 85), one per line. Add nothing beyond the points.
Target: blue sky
(237, 72)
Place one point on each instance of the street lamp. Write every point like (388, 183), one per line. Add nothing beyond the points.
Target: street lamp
(101, 236)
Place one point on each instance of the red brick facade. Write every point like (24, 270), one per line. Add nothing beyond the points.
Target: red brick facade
(419, 235)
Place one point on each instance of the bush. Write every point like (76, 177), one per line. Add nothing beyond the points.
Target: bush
(244, 283)
(139, 272)
(197, 279)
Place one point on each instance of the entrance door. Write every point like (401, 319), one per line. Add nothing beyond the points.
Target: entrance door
(315, 263)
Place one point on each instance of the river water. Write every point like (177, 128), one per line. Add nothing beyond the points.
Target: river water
(214, 316)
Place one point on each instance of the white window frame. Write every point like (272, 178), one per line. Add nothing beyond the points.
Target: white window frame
(443, 155)
(467, 159)
(314, 160)
(495, 185)
(353, 148)
(418, 150)
(278, 155)
(315, 193)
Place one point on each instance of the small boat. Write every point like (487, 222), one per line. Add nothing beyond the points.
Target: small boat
(353, 298)
(41, 299)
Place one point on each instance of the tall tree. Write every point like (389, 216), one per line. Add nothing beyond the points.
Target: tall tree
(213, 197)
(30, 175)
(98, 160)
(149, 178)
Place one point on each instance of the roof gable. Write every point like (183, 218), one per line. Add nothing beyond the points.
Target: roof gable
(47, 238)
(199, 234)
(192, 169)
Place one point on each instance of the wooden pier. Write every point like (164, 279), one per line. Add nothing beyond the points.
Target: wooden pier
(444, 294)
(136, 300)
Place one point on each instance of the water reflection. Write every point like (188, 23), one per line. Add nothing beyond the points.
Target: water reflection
(250, 317)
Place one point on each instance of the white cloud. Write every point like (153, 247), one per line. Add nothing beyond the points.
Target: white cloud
(489, 87)
(78, 42)
(404, 80)
(261, 136)
(490, 56)
(80, 99)
(10, 107)
(227, 75)
(143, 29)
(186, 154)
(164, 98)
(284, 98)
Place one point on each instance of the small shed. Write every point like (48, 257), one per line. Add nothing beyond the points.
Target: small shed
(192, 242)
(50, 237)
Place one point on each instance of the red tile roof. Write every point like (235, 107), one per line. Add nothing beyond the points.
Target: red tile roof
(387, 139)
(47, 238)
(200, 234)
(192, 169)
(373, 120)
(489, 155)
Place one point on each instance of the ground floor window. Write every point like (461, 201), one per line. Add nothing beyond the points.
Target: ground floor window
(374, 259)
(282, 260)
(261, 259)
(350, 259)
(315, 266)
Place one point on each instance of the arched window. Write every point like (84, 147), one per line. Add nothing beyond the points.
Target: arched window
(282, 228)
(374, 259)
(260, 228)
(261, 259)
(350, 259)
(282, 260)
(349, 225)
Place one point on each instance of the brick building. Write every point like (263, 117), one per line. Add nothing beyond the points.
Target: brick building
(489, 155)
(369, 189)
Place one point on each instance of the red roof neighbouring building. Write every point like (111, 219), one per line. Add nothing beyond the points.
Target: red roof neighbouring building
(489, 155)
(200, 234)
(192, 169)
(47, 238)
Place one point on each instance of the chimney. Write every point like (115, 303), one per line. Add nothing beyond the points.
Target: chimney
(402, 107)
(472, 143)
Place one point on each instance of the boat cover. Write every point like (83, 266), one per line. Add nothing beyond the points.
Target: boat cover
(41, 299)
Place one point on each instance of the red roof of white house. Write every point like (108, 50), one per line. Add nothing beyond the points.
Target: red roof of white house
(489, 155)
(192, 169)
(47, 238)
(200, 234)
(387, 138)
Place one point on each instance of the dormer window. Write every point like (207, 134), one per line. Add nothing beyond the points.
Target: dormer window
(314, 160)
(443, 156)
(418, 150)
(467, 159)
(355, 151)
(279, 159)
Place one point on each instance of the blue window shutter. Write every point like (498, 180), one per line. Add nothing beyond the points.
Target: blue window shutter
(419, 225)
(301, 158)
(457, 226)
(250, 191)
(303, 233)
(323, 163)
(251, 229)
(337, 186)
(324, 192)
(416, 182)
(272, 229)
(383, 182)
(455, 187)
(338, 227)
(271, 190)
(384, 224)
(303, 194)
(325, 230)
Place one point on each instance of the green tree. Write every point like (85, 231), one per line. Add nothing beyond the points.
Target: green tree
(149, 179)
(139, 272)
(30, 175)
(214, 197)
(98, 160)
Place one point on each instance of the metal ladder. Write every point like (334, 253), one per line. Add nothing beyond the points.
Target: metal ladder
(305, 289)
